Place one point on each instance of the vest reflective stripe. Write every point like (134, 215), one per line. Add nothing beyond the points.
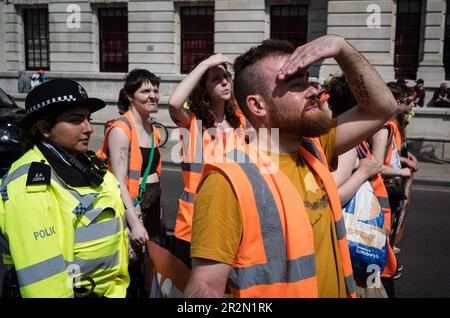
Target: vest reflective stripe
(192, 167)
(384, 202)
(309, 145)
(22, 170)
(270, 266)
(133, 174)
(188, 196)
(340, 229)
(278, 268)
(37, 272)
(92, 214)
(97, 231)
(91, 265)
(382, 196)
(4, 244)
(273, 272)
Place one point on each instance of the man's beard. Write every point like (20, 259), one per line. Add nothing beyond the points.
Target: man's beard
(308, 124)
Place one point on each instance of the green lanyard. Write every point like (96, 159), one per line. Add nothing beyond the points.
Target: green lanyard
(138, 200)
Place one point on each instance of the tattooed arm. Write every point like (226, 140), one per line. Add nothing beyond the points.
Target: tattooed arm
(118, 146)
(376, 103)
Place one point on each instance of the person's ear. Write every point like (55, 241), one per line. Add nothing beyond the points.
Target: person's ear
(130, 98)
(257, 105)
(43, 128)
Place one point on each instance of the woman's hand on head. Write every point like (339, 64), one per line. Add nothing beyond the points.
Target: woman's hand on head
(217, 59)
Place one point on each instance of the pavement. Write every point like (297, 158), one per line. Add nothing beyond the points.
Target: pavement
(433, 172)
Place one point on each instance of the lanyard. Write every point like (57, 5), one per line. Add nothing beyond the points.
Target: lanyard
(138, 200)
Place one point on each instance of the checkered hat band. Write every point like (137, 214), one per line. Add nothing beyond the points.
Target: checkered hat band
(65, 98)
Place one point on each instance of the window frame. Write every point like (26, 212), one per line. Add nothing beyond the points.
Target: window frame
(186, 68)
(109, 67)
(46, 37)
(406, 69)
(304, 8)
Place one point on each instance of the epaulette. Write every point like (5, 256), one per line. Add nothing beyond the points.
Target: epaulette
(39, 176)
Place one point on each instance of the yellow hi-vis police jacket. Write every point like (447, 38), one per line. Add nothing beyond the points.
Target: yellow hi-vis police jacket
(51, 230)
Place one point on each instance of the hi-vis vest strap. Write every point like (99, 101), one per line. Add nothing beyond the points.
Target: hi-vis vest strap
(193, 142)
(393, 146)
(86, 235)
(382, 196)
(276, 257)
(134, 153)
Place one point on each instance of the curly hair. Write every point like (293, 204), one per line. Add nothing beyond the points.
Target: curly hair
(200, 103)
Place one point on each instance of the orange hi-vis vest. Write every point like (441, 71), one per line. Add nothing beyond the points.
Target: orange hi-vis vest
(276, 257)
(193, 143)
(134, 155)
(382, 196)
(393, 146)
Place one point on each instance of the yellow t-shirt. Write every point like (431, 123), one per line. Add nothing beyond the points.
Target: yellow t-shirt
(217, 225)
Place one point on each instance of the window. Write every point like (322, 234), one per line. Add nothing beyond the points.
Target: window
(407, 36)
(197, 35)
(289, 23)
(36, 39)
(447, 43)
(113, 37)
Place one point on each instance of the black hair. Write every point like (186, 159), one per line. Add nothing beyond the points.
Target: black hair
(341, 96)
(397, 90)
(137, 77)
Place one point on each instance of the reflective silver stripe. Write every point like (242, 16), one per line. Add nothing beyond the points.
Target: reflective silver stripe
(311, 147)
(97, 230)
(298, 269)
(340, 229)
(22, 170)
(188, 196)
(37, 272)
(90, 265)
(92, 214)
(125, 120)
(192, 167)
(350, 284)
(384, 202)
(278, 268)
(4, 245)
(133, 174)
(198, 156)
(85, 200)
(15, 174)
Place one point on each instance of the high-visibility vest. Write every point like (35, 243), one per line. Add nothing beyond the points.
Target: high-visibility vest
(382, 196)
(194, 142)
(135, 155)
(393, 146)
(49, 231)
(276, 257)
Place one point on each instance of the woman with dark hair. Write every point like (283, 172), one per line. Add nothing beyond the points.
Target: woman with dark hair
(201, 103)
(132, 145)
(61, 214)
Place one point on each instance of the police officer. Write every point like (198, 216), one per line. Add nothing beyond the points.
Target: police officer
(61, 214)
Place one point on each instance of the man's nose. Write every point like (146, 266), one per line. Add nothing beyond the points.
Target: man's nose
(311, 91)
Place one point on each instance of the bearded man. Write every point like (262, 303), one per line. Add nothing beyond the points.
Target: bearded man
(280, 232)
